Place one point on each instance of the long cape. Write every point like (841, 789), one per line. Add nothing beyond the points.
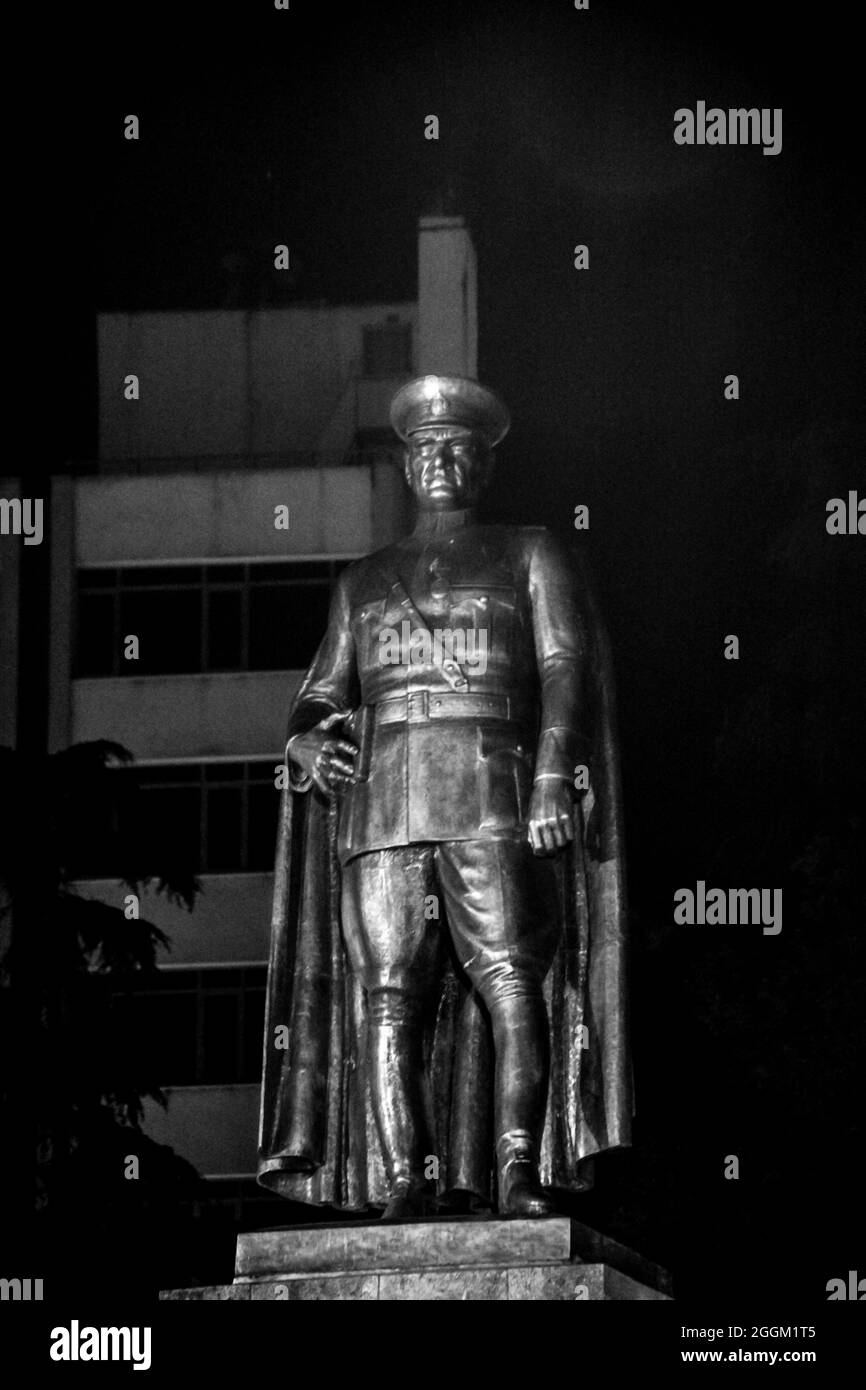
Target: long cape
(317, 1135)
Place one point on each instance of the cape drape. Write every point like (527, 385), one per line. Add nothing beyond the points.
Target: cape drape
(317, 1135)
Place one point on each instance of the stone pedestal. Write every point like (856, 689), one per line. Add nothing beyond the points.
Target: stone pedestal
(465, 1259)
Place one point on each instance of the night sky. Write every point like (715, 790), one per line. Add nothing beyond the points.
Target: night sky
(706, 516)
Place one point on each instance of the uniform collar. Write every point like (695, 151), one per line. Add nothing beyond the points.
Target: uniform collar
(432, 524)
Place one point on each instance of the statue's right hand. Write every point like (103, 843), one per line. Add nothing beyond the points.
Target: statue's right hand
(327, 758)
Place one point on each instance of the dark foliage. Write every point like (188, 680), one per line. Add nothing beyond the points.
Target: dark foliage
(74, 1084)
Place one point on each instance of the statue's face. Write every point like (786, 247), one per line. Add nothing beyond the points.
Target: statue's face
(447, 467)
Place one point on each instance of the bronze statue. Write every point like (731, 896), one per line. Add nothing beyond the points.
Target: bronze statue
(446, 993)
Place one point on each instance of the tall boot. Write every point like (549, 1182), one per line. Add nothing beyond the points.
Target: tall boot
(520, 1190)
(396, 1076)
(521, 1038)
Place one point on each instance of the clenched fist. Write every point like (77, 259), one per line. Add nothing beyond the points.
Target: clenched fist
(550, 816)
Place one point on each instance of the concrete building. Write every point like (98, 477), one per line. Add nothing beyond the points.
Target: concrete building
(244, 458)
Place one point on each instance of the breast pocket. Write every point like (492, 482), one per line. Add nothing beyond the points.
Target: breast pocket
(483, 619)
(373, 638)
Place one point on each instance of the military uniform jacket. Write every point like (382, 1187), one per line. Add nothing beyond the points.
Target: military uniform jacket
(457, 729)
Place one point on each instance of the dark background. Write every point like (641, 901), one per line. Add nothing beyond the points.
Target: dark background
(707, 516)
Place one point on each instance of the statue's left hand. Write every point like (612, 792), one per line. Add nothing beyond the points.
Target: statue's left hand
(550, 816)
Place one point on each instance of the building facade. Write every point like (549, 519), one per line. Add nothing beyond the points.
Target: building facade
(244, 458)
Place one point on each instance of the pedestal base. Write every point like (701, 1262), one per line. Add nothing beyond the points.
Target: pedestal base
(553, 1259)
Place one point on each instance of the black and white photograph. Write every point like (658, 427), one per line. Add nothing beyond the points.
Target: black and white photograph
(432, 681)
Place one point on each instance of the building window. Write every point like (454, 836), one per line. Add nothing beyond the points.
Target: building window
(388, 349)
(198, 1027)
(198, 818)
(191, 619)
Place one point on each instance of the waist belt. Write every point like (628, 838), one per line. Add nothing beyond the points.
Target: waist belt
(421, 705)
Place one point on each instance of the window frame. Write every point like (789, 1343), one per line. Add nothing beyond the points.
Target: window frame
(241, 577)
(203, 984)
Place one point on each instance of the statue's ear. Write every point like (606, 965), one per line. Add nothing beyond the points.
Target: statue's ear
(486, 470)
(407, 468)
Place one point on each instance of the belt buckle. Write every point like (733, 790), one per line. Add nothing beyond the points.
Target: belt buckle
(417, 706)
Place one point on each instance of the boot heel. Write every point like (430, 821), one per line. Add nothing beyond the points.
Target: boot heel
(409, 1201)
(520, 1191)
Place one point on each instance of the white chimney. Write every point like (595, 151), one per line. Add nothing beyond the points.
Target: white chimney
(447, 298)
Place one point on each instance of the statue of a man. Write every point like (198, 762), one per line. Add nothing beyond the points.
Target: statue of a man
(449, 912)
